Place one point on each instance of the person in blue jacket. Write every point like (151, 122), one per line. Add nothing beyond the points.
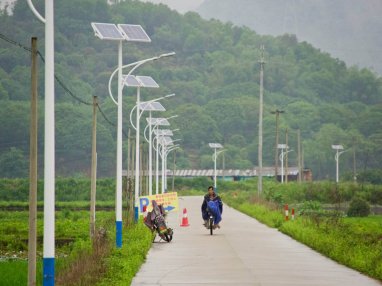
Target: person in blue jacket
(213, 203)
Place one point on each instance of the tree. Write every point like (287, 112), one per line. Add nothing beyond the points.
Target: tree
(13, 164)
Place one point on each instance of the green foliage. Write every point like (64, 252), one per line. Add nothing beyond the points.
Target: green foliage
(309, 206)
(67, 189)
(71, 236)
(13, 164)
(358, 207)
(124, 263)
(14, 272)
(213, 77)
(371, 176)
(354, 242)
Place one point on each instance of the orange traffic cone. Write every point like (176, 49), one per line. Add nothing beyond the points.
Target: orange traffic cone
(185, 218)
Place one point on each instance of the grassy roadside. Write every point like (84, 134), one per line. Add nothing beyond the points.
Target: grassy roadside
(122, 264)
(78, 261)
(354, 242)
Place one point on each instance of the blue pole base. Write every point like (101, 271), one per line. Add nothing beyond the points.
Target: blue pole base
(48, 271)
(136, 214)
(118, 234)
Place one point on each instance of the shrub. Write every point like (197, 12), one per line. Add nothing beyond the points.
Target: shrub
(358, 207)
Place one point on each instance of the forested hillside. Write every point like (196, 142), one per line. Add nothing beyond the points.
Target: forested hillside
(347, 29)
(215, 75)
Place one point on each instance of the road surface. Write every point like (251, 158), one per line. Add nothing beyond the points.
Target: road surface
(242, 252)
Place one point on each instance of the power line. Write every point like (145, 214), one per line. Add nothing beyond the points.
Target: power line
(59, 81)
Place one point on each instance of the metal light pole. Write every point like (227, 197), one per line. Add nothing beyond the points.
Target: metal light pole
(49, 144)
(277, 112)
(156, 122)
(215, 146)
(133, 67)
(124, 32)
(151, 105)
(172, 148)
(337, 158)
(281, 157)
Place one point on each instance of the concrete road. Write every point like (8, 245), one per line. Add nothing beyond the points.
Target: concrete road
(242, 252)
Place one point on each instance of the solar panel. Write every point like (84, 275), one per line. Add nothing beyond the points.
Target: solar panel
(147, 81)
(337, 147)
(151, 106)
(215, 145)
(131, 81)
(158, 121)
(163, 132)
(107, 31)
(166, 140)
(134, 33)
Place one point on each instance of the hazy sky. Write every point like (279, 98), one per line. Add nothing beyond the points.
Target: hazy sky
(180, 5)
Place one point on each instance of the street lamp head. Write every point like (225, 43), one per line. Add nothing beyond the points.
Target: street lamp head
(337, 147)
(167, 55)
(282, 146)
(170, 95)
(277, 111)
(174, 116)
(215, 145)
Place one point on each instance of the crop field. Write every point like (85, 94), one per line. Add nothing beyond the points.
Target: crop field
(72, 238)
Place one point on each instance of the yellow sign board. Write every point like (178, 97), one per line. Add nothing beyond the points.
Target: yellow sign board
(168, 200)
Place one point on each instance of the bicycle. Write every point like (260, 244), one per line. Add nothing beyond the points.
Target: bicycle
(211, 224)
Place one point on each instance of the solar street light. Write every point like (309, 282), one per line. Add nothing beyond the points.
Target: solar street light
(138, 82)
(337, 158)
(156, 122)
(152, 105)
(168, 150)
(167, 143)
(281, 158)
(120, 33)
(215, 146)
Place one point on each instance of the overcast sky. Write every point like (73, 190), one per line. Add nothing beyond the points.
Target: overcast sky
(180, 5)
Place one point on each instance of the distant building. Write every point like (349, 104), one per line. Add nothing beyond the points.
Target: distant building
(236, 174)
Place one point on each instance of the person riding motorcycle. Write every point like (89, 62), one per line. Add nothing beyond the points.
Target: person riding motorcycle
(212, 203)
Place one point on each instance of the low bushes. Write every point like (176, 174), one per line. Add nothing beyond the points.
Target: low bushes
(355, 242)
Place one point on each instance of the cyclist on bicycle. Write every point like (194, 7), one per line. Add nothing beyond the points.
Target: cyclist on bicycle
(208, 198)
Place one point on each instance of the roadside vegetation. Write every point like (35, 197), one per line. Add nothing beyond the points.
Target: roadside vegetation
(79, 261)
(323, 222)
(333, 220)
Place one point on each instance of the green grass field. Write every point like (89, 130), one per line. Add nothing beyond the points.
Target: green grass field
(73, 247)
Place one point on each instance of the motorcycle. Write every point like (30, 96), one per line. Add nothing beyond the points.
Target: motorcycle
(156, 222)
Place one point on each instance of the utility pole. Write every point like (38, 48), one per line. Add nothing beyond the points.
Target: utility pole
(128, 170)
(140, 178)
(277, 112)
(354, 162)
(299, 154)
(32, 236)
(173, 171)
(260, 155)
(133, 158)
(302, 159)
(286, 156)
(223, 166)
(93, 184)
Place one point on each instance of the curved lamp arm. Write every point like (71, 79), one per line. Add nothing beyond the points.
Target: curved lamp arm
(135, 65)
(35, 12)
